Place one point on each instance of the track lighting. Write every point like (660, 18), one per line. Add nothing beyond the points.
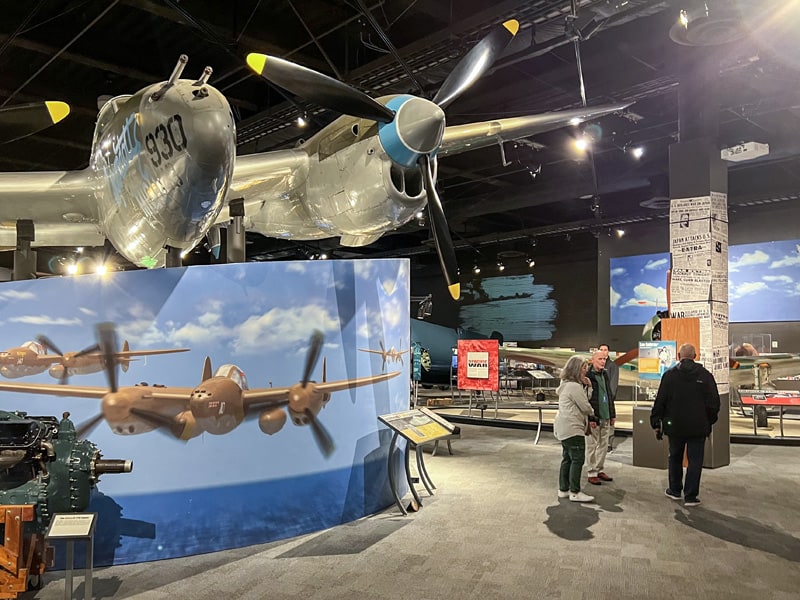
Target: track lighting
(530, 262)
(476, 269)
(302, 120)
(500, 266)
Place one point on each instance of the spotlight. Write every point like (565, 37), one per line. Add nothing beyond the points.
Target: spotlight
(620, 232)
(72, 269)
(420, 215)
(101, 269)
(575, 121)
(637, 152)
(531, 262)
(425, 307)
(302, 120)
(323, 256)
(476, 269)
(500, 266)
(582, 143)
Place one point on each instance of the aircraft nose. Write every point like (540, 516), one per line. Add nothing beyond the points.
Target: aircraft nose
(420, 125)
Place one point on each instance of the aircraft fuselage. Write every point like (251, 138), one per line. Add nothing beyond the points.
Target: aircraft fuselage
(162, 160)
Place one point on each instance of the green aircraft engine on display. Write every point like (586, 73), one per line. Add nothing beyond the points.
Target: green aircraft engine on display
(44, 464)
(163, 166)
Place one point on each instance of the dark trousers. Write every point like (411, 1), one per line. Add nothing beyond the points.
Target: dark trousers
(695, 447)
(573, 453)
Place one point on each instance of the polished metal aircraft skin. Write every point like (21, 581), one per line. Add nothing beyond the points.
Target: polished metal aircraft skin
(163, 166)
(158, 176)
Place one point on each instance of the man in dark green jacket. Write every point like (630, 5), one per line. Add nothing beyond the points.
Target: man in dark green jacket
(602, 401)
(686, 406)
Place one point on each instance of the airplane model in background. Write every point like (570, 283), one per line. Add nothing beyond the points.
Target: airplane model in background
(163, 166)
(391, 354)
(217, 405)
(32, 358)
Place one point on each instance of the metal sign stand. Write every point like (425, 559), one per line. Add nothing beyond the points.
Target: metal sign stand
(69, 528)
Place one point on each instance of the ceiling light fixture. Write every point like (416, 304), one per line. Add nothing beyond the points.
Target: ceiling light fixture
(500, 266)
(637, 152)
(582, 143)
(531, 263)
(302, 120)
(476, 269)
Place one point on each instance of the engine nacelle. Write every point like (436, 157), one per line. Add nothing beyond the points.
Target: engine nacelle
(272, 421)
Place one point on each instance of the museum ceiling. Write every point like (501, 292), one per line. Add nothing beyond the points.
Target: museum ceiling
(498, 200)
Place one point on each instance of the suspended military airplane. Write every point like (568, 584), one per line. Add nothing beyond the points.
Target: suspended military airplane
(32, 358)
(391, 354)
(163, 166)
(26, 119)
(217, 405)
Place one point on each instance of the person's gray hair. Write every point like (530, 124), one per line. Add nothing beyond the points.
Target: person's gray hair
(572, 370)
(687, 351)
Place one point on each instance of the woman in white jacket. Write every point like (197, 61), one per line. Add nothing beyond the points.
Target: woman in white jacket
(574, 411)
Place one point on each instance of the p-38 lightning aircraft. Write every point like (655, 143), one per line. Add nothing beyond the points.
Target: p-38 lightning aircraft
(217, 405)
(391, 354)
(163, 166)
(31, 358)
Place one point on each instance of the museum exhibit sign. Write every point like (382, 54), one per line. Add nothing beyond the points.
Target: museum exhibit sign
(265, 429)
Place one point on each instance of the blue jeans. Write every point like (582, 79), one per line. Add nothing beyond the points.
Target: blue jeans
(695, 447)
(573, 453)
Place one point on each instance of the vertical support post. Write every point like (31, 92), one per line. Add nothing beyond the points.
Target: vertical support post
(235, 237)
(24, 257)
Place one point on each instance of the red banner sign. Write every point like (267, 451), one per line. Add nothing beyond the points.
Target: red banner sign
(479, 365)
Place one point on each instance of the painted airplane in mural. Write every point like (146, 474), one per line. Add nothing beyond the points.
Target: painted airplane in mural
(390, 355)
(217, 405)
(163, 166)
(32, 358)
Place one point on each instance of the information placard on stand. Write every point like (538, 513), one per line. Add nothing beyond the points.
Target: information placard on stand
(418, 426)
(69, 528)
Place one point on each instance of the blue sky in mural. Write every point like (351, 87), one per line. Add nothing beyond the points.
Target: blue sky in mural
(763, 284)
(257, 316)
(515, 306)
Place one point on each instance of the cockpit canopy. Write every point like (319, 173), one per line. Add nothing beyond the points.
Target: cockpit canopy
(106, 114)
(233, 372)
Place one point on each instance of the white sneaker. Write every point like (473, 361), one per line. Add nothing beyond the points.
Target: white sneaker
(580, 497)
(564, 494)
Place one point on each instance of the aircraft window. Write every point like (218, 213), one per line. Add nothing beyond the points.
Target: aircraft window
(106, 115)
(234, 373)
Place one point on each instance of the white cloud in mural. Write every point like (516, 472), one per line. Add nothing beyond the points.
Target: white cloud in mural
(655, 265)
(615, 297)
(647, 295)
(786, 261)
(749, 259)
(16, 295)
(44, 320)
(748, 287)
(778, 278)
(617, 272)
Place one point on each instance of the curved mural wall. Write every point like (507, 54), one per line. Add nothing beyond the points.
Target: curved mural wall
(240, 487)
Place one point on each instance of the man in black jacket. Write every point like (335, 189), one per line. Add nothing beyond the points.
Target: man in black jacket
(686, 407)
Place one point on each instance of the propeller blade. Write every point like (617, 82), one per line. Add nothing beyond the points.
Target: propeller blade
(476, 62)
(87, 427)
(441, 232)
(107, 342)
(318, 88)
(158, 420)
(89, 350)
(314, 349)
(21, 121)
(47, 343)
(321, 435)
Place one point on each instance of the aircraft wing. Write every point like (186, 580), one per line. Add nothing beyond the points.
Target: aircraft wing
(55, 389)
(61, 205)
(260, 398)
(131, 353)
(371, 351)
(541, 356)
(461, 138)
(265, 172)
(781, 365)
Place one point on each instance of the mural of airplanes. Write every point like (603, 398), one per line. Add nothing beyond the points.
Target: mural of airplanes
(391, 354)
(32, 358)
(163, 166)
(217, 405)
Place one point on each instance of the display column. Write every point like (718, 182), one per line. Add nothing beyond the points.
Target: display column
(698, 228)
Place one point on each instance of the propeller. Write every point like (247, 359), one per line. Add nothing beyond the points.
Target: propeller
(87, 427)
(321, 435)
(48, 343)
(17, 122)
(410, 128)
(107, 342)
(159, 421)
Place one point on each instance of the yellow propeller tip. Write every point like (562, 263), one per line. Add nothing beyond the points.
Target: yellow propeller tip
(256, 62)
(455, 290)
(512, 25)
(57, 110)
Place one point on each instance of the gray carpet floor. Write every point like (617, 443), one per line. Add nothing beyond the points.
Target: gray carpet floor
(495, 529)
